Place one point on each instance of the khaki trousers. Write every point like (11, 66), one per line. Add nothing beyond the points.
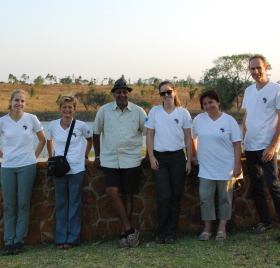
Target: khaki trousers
(207, 189)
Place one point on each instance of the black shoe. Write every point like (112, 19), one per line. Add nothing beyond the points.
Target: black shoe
(18, 248)
(8, 250)
(261, 228)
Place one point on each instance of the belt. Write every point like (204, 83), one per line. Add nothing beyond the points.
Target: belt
(167, 152)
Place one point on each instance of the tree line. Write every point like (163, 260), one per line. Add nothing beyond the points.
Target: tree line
(229, 77)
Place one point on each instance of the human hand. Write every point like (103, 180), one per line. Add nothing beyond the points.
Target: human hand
(188, 167)
(268, 153)
(86, 161)
(97, 163)
(237, 169)
(154, 163)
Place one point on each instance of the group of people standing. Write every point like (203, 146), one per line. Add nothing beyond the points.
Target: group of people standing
(212, 141)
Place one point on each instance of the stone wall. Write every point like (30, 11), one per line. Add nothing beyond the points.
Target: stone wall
(98, 218)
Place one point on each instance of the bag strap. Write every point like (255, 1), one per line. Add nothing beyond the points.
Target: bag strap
(69, 136)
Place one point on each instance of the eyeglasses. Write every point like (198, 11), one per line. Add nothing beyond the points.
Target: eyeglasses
(169, 92)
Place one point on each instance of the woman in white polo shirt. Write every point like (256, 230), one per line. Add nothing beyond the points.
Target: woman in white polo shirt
(18, 169)
(68, 189)
(168, 133)
(217, 147)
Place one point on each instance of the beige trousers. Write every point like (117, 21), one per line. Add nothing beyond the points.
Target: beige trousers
(207, 189)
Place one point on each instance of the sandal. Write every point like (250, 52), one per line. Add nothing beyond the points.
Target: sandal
(221, 236)
(204, 236)
(59, 246)
(68, 246)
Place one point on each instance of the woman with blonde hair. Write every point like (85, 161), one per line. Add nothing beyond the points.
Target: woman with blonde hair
(68, 189)
(168, 133)
(18, 169)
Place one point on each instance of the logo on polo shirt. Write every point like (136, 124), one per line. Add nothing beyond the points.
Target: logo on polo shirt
(88, 132)
(177, 121)
(264, 100)
(74, 134)
(222, 130)
(24, 127)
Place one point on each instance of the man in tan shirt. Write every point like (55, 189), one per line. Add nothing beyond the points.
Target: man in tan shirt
(121, 124)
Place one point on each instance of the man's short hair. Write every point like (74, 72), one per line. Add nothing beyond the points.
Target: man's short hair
(258, 57)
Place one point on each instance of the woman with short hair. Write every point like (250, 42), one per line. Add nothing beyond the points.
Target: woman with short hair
(18, 169)
(217, 147)
(68, 189)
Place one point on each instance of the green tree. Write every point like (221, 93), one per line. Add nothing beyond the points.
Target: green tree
(25, 77)
(49, 77)
(83, 98)
(231, 72)
(39, 81)
(192, 93)
(139, 83)
(67, 80)
(12, 79)
(93, 98)
(32, 92)
(145, 104)
(111, 81)
(156, 83)
(58, 98)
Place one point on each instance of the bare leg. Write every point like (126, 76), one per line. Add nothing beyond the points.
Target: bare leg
(207, 227)
(118, 206)
(128, 203)
(222, 226)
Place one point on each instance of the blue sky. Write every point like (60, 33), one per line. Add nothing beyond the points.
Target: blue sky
(139, 38)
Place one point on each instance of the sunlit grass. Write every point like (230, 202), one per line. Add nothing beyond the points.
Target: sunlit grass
(240, 249)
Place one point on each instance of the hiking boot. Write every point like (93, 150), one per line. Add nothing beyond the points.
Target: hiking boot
(18, 248)
(123, 243)
(261, 228)
(8, 250)
(132, 239)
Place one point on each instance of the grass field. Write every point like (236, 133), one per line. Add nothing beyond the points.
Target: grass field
(44, 105)
(46, 96)
(241, 249)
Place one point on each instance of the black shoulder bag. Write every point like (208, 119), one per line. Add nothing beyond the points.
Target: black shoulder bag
(58, 166)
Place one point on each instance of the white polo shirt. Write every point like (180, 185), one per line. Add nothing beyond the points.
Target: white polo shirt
(261, 121)
(122, 135)
(18, 139)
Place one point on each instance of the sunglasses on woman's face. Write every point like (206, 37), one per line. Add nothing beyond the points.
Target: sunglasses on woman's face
(168, 92)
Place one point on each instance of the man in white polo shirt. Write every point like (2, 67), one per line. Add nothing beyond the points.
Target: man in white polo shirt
(121, 124)
(261, 133)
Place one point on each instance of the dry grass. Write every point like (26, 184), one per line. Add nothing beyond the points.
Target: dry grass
(46, 96)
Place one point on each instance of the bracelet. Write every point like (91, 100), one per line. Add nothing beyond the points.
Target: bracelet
(97, 156)
(86, 156)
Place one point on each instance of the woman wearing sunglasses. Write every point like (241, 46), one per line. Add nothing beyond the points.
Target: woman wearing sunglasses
(217, 140)
(168, 133)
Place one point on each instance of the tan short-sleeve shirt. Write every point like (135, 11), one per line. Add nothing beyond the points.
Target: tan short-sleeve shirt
(121, 135)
